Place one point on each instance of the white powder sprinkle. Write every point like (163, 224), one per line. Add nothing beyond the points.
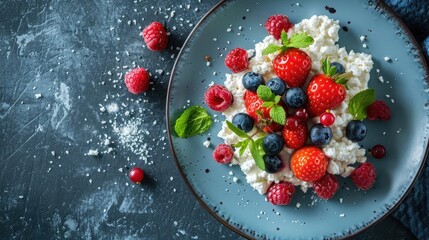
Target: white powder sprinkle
(93, 152)
(206, 143)
(387, 59)
(38, 95)
(342, 215)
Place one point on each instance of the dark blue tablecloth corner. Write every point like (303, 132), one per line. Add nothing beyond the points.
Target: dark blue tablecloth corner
(413, 212)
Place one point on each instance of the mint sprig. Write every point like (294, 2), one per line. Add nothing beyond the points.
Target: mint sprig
(298, 40)
(193, 121)
(255, 146)
(271, 101)
(360, 102)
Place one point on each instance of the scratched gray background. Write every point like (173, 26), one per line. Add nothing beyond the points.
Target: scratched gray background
(74, 54)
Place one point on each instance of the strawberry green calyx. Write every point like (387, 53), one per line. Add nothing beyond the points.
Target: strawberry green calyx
(331, 71)
(298, 40)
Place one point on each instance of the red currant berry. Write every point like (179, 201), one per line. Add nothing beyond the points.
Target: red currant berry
(378, 151)
(136, 175)
(301, 114)
(292, 123)
(327, 119)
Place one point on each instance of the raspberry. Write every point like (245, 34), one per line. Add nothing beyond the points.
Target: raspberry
(276, 23)
(155, 36)
(280, 193)
(378, 111)
(326, 187)
(137, 80)
(223, 153)
(364, 176)
(237, 60)
(218, 98)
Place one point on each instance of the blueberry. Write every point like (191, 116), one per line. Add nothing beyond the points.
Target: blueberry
(277, 86)
(340, 68)
(243, 121)
(295, 97)
(320, 135)
(273, 163)
(252, 80)
(356, 131)
(273, 144)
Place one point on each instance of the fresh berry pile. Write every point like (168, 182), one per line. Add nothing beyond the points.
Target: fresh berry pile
(294, 112)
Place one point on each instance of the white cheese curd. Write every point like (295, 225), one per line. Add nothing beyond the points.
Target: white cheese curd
(341, 151)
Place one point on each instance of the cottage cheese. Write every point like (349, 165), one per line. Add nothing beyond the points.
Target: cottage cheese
(341, 151)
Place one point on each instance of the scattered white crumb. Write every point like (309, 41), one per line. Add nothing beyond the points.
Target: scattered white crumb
(53, 153)
(341, 200)
(106, 142)
(362, 38)
(208, 64)
(298, 205)
(206, 143)
(93, 152)
(121, 170)
(381, 79)
(342, 215)
(112, 108)
(20, 196)
(364, 45)
(211, 84)
(231, 173)
(387, 59)
(38, 95)
(235, 179)
(214, 39)
(228, 30)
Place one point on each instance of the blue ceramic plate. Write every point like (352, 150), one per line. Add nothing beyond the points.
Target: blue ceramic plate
(405, 135)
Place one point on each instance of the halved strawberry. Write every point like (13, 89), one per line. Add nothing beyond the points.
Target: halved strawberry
(309, 163)
(254, 105)
(295, 138)
(326, 91)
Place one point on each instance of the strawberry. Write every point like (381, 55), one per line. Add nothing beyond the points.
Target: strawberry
(297, 136)
(254, 105)
(309, 163)
(326, 91)
(292, 65)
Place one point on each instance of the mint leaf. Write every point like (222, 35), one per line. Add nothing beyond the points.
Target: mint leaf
(278, 114)
(265, 93)
(244, 145)
(256, 155)
(277, 99)
(284, 38)
(236, 130)
(300, 40)
(359, 104)
(268, 104)
(271, 49)
(193, 121)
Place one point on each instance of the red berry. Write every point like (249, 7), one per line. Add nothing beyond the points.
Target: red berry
(327, 119)
(378, 151)
(324, 94)
(296, 138)
(155, 36)
(254, 105)
(223, 153)
(237, 60)
(280, 193)
(218, 98)
(364, 176)
(309, 163)
(292, 66)
(292, 123)
(276, 23)
(379, 111)
(302, 114)
(136, 175)
(137, 80)
(326, 187)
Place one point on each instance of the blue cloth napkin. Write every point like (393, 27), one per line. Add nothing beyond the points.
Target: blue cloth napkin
(413, 212)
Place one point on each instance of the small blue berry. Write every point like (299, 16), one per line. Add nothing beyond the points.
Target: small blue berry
(273, 144)
(356, 131)
(273, 163)
(295, 97)
(339, 66)
(243, 121)
(277, 86)
(252, 80)
(320, 135)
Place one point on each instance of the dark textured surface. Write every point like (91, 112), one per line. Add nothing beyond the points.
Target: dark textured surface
(74, 53)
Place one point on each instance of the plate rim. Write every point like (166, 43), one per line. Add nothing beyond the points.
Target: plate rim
(378, 4)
